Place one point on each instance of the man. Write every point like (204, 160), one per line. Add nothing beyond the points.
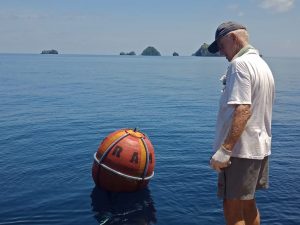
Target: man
(243, 131)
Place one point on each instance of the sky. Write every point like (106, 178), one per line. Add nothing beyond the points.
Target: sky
(108, 27)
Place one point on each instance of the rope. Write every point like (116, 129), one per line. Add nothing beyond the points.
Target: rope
(110, 147)
(147, 159)
(121, 174)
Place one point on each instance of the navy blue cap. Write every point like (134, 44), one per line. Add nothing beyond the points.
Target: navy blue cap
(221, 31)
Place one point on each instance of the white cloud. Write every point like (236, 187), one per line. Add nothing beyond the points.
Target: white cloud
(277, 5)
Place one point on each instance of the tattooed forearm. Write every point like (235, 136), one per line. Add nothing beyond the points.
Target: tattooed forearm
(241, 116)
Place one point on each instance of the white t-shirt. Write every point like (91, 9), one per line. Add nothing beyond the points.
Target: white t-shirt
(249, 80)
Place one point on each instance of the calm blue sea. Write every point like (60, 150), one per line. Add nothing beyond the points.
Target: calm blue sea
(56, 109)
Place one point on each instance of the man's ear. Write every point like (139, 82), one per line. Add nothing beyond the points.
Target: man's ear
(233, 36)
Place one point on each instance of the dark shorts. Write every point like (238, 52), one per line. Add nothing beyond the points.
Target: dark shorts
(242, 178)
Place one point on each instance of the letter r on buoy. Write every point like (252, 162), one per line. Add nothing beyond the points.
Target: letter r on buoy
(117, 151)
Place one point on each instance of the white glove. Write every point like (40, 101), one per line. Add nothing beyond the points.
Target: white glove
(220, 159)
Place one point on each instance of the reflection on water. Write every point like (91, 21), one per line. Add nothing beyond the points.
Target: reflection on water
(136, 208)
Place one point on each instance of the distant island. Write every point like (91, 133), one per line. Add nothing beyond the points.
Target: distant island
(52, 51)
(203, 51)
(150, 51)
(129, 53)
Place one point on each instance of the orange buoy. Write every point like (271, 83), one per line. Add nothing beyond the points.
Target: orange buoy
(124, 161)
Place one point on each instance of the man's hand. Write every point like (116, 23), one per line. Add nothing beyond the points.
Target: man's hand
(220, 159)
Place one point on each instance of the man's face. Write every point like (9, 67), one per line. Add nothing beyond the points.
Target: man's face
(226, 46)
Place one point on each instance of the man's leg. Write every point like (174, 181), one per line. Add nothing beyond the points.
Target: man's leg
(233, 212)
(251, 213)
(241, 212)
(240, 181)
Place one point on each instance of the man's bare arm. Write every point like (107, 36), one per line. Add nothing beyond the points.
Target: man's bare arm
(241, 115)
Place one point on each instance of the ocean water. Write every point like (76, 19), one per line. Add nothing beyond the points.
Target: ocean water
(56, 109)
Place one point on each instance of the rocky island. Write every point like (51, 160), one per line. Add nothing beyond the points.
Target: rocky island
(203, 51)
(129, 53)
(150, 51)
(52, 51)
